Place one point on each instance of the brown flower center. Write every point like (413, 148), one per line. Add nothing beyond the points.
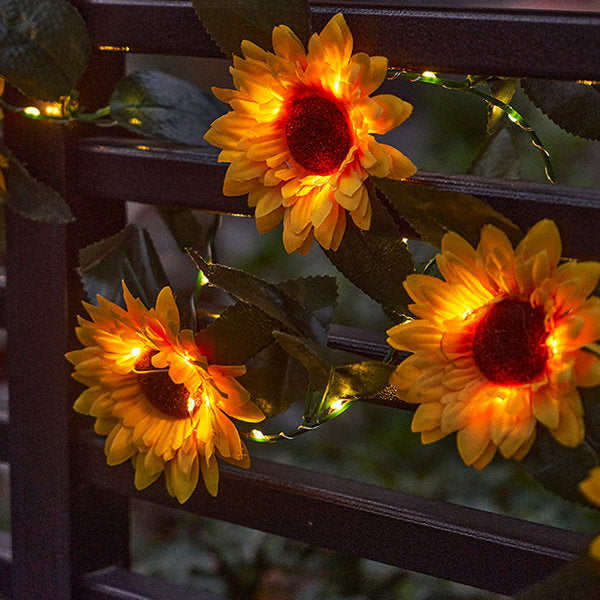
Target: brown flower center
(317, 133)
(162, 392)
(510, 342)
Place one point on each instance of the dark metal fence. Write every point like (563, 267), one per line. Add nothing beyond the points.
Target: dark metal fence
(69, 510)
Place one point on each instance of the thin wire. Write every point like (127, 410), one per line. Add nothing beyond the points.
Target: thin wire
(259, 436)
(467, 85)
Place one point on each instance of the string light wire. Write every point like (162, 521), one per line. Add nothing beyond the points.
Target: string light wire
(468, 85)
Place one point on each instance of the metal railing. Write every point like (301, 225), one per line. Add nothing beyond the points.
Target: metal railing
(69, 510)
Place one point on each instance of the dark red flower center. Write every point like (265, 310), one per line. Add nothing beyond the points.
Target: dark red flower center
(162, 392)
(317, 133)
(509, 345)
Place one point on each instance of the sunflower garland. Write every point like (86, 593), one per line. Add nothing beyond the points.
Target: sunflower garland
(502, 343)
(300, 135)
(156, 397)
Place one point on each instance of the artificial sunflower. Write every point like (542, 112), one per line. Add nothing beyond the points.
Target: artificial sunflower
(156, 397)
(299, 137)
(502, 343)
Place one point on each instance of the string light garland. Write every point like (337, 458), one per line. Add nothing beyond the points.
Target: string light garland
(336, 408)
(468, 85)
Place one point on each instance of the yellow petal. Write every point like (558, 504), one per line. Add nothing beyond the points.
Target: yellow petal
(590, 486)
(546, 407)
(252, 51)
(287, 45)
(392, 112)
(415, 336)
(181, 484)
(473, 440)
(210, 474)
(544, 235)
(144, 477)
(268, 222)
(243, 169)
(119, 446)
(570, 431)
(485, 457)
(587, 369)
(400, 167)
(427, 417)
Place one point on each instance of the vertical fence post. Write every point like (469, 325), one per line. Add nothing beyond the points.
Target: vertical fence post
(61, 528)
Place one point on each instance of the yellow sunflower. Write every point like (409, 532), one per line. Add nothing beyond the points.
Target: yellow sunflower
(299, 137)
(502, 343)
(156, 397)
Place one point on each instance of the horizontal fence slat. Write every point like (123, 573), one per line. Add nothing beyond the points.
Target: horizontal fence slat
(561, 45)
(486, 550)
(116, 583)
(156, 173)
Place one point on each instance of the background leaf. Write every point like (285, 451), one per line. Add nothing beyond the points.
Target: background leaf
(239, 333)
(317, 294)
(502, 88)
(317, 358)
(44, 46)
(274, 379)
(228, 22)
(376, 261)
(265, 296)
(577, 580)
(31, 198)
(432, 212)
(130, 256)
(498, 157)
(190, 228)
(155, 104)
(573, 106)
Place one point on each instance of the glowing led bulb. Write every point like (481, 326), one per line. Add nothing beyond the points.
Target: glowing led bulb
(32, 111)
(337, 404)
(428, 74)
(53, 110)
(257, 435)
(191, 404)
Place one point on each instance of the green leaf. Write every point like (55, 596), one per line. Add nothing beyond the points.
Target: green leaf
(274, 379)
(432, 212)
(317, 294)
(228, 22)
(503, 89)
(352, 382)
(558, 468)
(130, 256)
(577, 580)
(155, 104)
(317, 358)
(266, 296)
(359, 380)
(31, 198)
(573, 106)
(376, 261)
(190, 228)
(498, 157)
(239, 333)
(44, 46)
